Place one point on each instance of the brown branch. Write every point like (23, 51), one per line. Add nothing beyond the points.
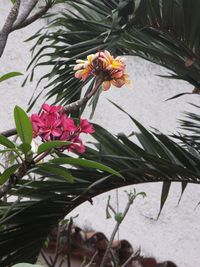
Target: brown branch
(14, 178)
(25, 13)
(9, 133)
(69, 108)
(81, 102)
(7, 27)
(32, 18)
(17, 20)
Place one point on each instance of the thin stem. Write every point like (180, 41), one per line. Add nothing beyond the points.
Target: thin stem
(128, 260)
(45, 259)
(69, 108)
(92, 259)
(61, 263)
(130, 202)
(14, 178)
(38, 158)
(81, 102)
(69, 242)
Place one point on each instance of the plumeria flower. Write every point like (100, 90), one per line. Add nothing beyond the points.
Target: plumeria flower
(104, 65)
(84, 63)
(84, 68)
(51, 109)
(54, 124)
(85, 126)
(84, 73)
(111, 63)
(51, 127)
(117, 82)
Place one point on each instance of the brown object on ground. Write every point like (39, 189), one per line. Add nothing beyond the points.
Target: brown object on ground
(86, 245)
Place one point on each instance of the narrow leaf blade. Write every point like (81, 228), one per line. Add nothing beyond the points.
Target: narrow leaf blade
(6, 174)
(6, 142)
(50, 145)
(87, 164)
(9, 75)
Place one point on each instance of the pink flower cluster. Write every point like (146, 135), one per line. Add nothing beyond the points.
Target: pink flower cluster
(53, 124)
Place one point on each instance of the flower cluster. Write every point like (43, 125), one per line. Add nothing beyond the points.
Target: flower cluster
(53, 124)
(104, 65)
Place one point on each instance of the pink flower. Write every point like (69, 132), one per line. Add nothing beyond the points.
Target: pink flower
(53, 124)
(84, 68)
(51, 109)
(77, 145)
(35, 120)
(67, 123)
(84, 73)
(111, 63)
(50, 127)
(117, 80)
(85, 126)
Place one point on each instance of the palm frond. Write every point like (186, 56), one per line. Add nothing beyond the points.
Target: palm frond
(190, 130)
(26, 222)
(163, 32)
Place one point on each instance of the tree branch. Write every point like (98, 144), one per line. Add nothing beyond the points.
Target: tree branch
(14, 178)
(69, 108)
(9, 133)
(25, 13)
(7, 28)
(17, 20)
(32, 18)
(81, 102)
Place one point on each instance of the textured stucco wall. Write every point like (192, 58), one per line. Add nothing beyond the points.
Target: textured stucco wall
(176, 235)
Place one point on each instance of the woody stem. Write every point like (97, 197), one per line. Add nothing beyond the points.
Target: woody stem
(69, 108)
(81, 102)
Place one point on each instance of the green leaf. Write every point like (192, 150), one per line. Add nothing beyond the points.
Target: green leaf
(165, 191)
(87, 164)
(23, 125)
(183, 187)
(57, 170)
(9, 75)
(52, 144)
(6, 174)
(6, 142)
(25, 148)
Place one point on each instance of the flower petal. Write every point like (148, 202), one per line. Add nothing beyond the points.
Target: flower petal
(106, 85)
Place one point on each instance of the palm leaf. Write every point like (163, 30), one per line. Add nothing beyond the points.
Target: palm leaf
(163, 32)
(45, 201)
(190, 129)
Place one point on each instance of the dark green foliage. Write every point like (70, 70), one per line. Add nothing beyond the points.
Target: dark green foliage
(25, 224)
(163, 32)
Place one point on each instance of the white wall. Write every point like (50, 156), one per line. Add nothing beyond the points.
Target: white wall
(176, 235)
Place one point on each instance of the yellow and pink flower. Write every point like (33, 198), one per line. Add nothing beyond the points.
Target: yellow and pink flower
(84, 68)
(104, 65)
